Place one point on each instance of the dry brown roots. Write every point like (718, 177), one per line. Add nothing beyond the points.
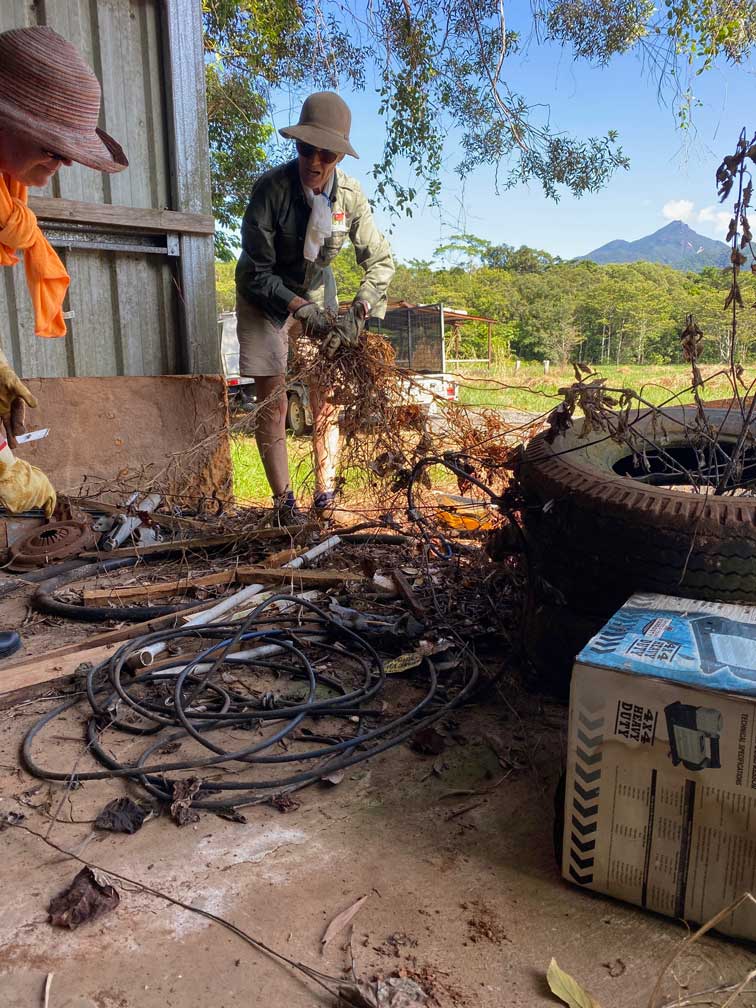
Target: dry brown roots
(386, 431)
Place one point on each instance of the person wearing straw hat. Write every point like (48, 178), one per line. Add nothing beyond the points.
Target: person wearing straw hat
(49, 106)
(298, 218)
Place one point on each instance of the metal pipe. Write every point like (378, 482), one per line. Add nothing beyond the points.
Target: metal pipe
(128, 523)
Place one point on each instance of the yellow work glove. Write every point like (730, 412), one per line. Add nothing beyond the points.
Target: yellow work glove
(24, 487)
(13, 395)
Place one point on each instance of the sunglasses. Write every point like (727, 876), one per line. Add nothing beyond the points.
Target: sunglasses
(307, 151)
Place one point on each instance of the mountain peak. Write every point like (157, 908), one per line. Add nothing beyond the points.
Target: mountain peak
(676, 244)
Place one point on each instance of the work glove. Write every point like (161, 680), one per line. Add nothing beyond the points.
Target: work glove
(346, 332)
(313, 318)
(24, 487)
(14, 397)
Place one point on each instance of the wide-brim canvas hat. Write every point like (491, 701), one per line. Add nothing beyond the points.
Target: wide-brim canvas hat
(50, 95)
(324, 122)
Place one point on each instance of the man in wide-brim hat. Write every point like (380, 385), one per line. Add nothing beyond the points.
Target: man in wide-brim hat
(298, 218)
(49, 106)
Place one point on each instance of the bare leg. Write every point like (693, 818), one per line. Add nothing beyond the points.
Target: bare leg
(270, 431)
(325, 438)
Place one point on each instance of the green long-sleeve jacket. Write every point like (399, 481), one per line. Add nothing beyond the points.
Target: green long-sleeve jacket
(272, 268)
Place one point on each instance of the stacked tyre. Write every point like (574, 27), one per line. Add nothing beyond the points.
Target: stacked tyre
(596, 537)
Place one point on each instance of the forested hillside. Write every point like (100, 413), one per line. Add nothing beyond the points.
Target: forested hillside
(626, 313)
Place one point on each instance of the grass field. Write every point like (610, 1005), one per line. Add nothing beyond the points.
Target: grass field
(531, 390)
(502, 387)
(249, 477)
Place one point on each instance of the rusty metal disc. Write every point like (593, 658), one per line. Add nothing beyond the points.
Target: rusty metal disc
(51, 543)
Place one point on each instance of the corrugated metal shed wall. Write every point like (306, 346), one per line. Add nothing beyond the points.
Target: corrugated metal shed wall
(128, 315)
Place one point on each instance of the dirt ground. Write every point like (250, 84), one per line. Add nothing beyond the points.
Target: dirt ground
(453, 851)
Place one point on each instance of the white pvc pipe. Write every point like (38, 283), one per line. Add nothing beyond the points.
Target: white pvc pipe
(221, 608)
(325, 547)
(147, 655)
(261, 651)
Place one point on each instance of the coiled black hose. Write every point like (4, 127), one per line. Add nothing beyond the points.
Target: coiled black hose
(201, 702)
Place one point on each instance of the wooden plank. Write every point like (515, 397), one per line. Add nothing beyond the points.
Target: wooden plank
(407, 593)
(282, 557)
(27, 677)
(17, 14)
(320, 578)
(135, 593)
(124, 113)
(76, 21)
(34, 677)
(133, 218)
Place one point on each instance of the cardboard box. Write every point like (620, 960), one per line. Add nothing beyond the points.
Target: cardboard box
(660, 803)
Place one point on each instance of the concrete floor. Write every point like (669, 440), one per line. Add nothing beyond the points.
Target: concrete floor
(466, 899)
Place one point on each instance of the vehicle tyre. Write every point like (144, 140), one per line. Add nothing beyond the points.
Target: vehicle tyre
(296, 419)
(597, 537)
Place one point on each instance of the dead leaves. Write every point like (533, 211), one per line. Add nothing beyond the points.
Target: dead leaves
(184, 791)
(122, 815)
(428, 741)
(567, 989)
(395, 992)
(595, 400)
(85, 899)
(734, 295)
(342, 921)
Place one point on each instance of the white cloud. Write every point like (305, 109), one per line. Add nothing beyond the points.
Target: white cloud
(681, 209)
(719, 219)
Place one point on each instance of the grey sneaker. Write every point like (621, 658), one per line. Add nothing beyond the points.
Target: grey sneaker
(286, 512)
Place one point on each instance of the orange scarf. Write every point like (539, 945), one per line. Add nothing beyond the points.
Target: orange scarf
(46, 275)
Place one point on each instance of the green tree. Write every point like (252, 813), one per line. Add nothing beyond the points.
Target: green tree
(528, 260)
(440, 64)
(225, 286)
(347, 273)
(464, 250)
(252, 46)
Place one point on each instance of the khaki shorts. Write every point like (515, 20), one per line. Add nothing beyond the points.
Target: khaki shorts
(263, 346)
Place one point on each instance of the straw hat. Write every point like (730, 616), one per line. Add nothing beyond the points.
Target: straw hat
(324, 122)
(48, 94)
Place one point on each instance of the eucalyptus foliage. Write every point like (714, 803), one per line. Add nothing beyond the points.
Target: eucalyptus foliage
(439, 64)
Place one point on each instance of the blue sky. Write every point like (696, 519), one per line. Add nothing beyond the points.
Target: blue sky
(671, 174)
